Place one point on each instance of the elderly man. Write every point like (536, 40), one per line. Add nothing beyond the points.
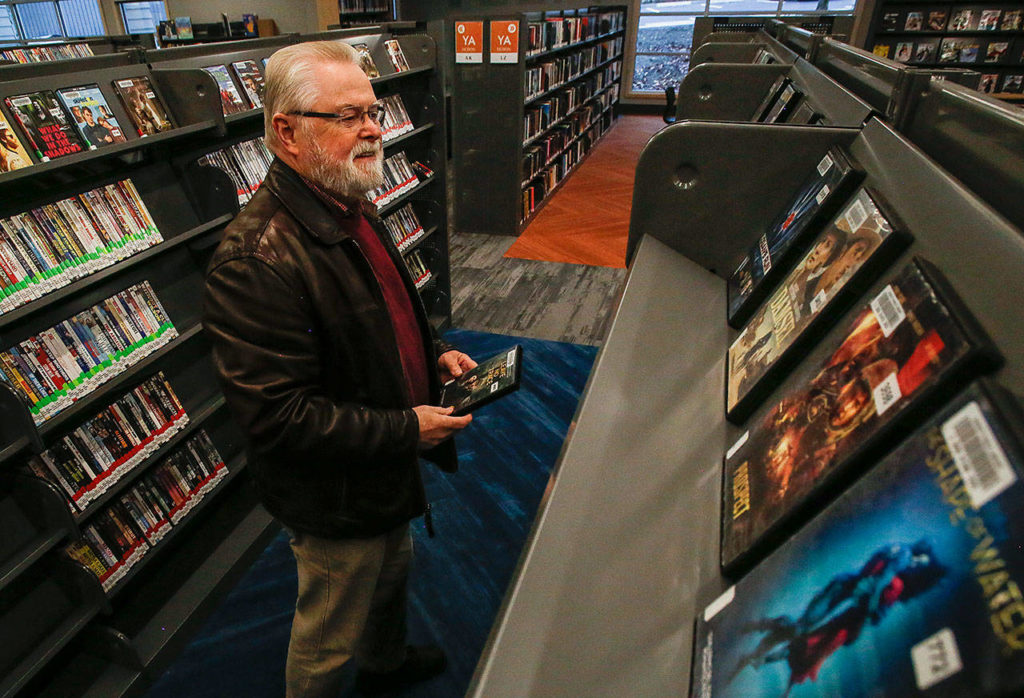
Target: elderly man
(329, 364)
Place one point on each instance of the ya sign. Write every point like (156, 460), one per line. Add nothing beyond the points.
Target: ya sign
(504, 41)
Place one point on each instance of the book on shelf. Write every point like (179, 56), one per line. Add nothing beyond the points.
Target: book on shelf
(45, 125)
(818, 198)
(844, 258)
(92, 115)
(13, 155)
(366, 61)
(246, 163)
(397, 56)
(913, 344)
(418, 269)
(396, 119)
(39, 54)
(905, 585)
(404, 227)
(493, 378)
(399, 178)
(231, 102)
(251, 79)
(144, 108)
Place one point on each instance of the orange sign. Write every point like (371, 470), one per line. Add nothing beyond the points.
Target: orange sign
(504, 41)
(469, 42)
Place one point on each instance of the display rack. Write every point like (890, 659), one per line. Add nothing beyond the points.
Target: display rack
(66, 633)
(625, 549)
(498, 162)
(352, 13)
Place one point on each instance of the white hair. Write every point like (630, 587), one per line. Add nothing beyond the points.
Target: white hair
(291, 83)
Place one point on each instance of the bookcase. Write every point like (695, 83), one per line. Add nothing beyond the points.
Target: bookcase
(355, 12)
(624, 553)
(107, 626)
(985, 37)
(519, 130)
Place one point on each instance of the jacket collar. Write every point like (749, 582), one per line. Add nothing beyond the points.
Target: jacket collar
(309, 209)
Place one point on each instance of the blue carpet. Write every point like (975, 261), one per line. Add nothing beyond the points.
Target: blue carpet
(482, 515)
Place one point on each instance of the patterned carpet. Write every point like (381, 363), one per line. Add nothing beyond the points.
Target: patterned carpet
(482, 516)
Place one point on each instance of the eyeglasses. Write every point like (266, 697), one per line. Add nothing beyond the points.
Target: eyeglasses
(349, 117)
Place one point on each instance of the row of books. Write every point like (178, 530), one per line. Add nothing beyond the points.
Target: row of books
(48, 247)
(38, 54)
(404, 227)
(396, 119)
(245, 162)
(120, 535)
(396, 56)
(963, 19)
(543, 183)
(923, 529)
(418, 269)
(399, 177)
(559, 32)
(540, 115)
(353, 6)
(89, 460)
(63, 363)
(542, 153)
(951, 50)
(560, 70)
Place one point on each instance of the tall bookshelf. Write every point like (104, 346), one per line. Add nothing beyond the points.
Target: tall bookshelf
(66, 631)
(353, 13)
(984, 37)
(520, 130)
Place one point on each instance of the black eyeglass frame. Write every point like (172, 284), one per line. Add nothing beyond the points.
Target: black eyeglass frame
(379, 118)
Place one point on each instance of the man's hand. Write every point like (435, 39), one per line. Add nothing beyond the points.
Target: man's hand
(453, 364)
(437, 424)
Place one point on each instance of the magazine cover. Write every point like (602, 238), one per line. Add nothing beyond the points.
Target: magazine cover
(397, 55)
(819, 196)
(491, 379)
(230, 100)
(45, 124)
(847, 255)
(143, 105)
(787, 100)
(911, 345)
(92, 115)
(13, 155)
(251, 79)
(907, 585)
(769, 98)
(366, 60)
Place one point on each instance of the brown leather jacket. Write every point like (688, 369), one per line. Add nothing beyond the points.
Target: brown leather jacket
(309, 364)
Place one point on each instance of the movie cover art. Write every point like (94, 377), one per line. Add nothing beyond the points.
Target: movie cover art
(769, 98)
(1013, 84)
(937, 20)
(989, 20)
(909, 584)
(1011, 20)
(143, 105)
(855, 240)
(962, 20)
(92, 115)
(251, 79)
(996, 51)
(366, 61)
(818, 198)
(13, 155)
(881, 50)
(925, 51)
(987, 83)
(910, 345)
(915, 22)
(904, 51)
(491, 379)
(788, 99)
(890, 21)
(397, 56)
(45, 124)
(230, 100)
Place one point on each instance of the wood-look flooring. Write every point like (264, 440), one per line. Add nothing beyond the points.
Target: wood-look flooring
(587, 220)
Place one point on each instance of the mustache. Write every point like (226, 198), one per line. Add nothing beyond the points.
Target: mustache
(366, 149)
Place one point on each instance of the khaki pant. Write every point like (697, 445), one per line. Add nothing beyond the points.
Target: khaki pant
(351, 603)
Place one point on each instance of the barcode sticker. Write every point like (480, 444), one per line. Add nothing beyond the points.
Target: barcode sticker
(856, 216)
(494, 386)
(825, 191)
(718, 604)
(766, 255)
(510, 358)
(888, 311)
(886, 393)
(736, 446)
(825, 165)
(818, 301)
(982, 463)
(935, 659)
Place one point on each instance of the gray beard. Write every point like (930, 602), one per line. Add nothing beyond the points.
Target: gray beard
(346, 178)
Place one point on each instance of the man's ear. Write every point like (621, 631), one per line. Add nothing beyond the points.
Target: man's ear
(286, 133)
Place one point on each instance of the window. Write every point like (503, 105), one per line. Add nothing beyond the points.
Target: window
(142, 17)
(55, 19)
(664, 32)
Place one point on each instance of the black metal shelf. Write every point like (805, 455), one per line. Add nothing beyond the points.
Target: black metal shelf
(402, 198)
(407, 135)
(403, 74)
(423, 238)
(28, 554)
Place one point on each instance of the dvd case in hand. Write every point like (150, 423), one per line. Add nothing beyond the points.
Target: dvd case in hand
(818, 198)
(908, 584)
(910, 346)
(496, 377)
(844, 258)
(45, 124)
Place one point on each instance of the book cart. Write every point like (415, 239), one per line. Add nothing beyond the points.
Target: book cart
(519, 130)
(66, 632)
(625, 551)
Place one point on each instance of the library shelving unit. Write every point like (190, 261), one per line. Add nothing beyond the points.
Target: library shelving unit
(72, 628)
(520, 129)
(353, 13)
(984, 37)
(624, 553)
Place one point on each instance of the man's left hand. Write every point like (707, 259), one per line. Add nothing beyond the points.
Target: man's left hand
(453, 364)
